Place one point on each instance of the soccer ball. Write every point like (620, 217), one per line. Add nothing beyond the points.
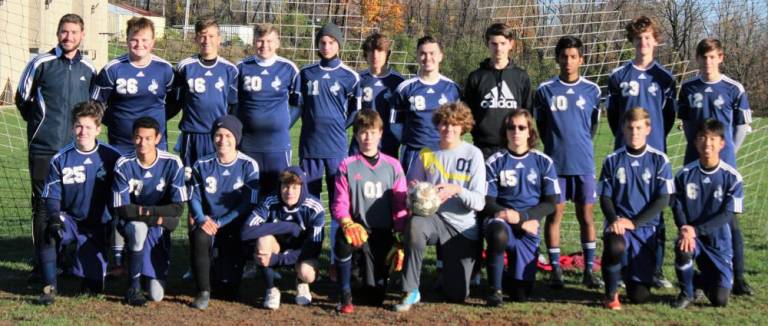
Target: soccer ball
(423, 199)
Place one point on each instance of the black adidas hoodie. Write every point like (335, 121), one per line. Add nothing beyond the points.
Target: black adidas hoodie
(491, 93)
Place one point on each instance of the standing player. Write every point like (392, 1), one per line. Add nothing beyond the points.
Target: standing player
(643, 82)
(522, 188)
(207, 89)
(378, 84)
(455, 168)
(286, 230)
(496, 88)
(134, 85)
(710, 194)
(369, 203)
(224, 187)
(713, 95)
(148, 194)
(567, 111)
(50, 86)
(330, 93)
(268, 88)
(418, 99)
(76, 196)
(635, 185)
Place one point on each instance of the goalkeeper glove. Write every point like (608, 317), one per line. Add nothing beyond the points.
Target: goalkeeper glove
(354, 232)
(396, 255)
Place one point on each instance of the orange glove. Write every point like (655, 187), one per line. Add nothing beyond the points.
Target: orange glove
(354, 232)
(396, 256)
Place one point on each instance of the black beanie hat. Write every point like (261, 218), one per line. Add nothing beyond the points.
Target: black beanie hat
(231, 123)
(331, 30)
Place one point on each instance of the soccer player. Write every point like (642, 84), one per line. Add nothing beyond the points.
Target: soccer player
(148, 192)
(714, 95)
(496, 88)
(370, 207)
(50, 86)
(330, 93)
(643, 82)
(567, 112)
(268, 88)
(379, 83)
(76, 197)
(225, 185)
(455, 168)
(522, 188)
(286, 230)
(418, 99)
(710, 194)
(134, 85)
(207, 90)
(635, 186)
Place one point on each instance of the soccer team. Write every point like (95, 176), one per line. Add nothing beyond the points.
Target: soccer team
(118, 202)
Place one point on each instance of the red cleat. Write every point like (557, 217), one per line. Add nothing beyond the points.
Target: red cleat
(613, 303)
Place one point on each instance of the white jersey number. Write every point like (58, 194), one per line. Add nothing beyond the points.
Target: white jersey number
(127, 86)
(196, 85)
(372, 190)
(696, 100)
(559, 103)
(252, 83)
(75, 174)
(631, 88)
(508, 178)
(418, 102)
(313, 87)
(210, 185)
(368, 94)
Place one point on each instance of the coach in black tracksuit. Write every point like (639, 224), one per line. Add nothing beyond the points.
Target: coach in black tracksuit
(497, 87)
(50, 86)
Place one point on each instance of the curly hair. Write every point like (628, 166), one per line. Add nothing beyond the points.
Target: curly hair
(641, 25)
(455, 113)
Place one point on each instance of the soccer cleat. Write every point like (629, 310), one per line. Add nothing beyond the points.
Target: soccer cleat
(495, 298)
(660, 282)
(410, 299)
(346, 306)
(591, 281)
(135, 297)
(740, 287)
(201, 301)
(613, 303)
(556, 278)
(682, 301)
(48, 297)
(303, 295)
(272, 298)
(698, 294)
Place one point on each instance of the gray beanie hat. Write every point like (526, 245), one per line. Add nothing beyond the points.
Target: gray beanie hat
(231, 123)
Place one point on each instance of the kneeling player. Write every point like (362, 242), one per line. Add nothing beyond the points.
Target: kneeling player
(522, 188)
(635, 185)
(455, 168)
(369, 204)
(287, 230)
(76, 195)
(710, 193)
(225, 185)
(148, 195)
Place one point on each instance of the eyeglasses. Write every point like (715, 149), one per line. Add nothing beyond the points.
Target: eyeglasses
(511, 127)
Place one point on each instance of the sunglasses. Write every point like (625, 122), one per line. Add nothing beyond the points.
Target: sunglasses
(511, 127)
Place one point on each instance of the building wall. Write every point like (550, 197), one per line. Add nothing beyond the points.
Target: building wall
(117, 26)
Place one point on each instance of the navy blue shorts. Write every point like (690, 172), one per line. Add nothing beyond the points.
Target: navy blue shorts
(315, 168)
(639, 259)
(92, 247)
(270, 167)
(714, 254)
(579, 189)
(157, 252)
(194, 146)
(408, 155)
(522, 251)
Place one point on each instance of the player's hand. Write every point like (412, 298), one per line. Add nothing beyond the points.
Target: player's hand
(687, 240)
(510, 216)
(354, 233)
(530, 226)
(209, 226)
(447, 190)
(621, 225)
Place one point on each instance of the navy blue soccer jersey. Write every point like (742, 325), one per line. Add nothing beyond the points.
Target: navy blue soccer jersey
(379, 93)
(705, 195)
(652, 89)
(519, 182)
(204, 92)
(131, 92)
(220, 188)
(724, 101)
(265, 87)
(330, 96)
(564, 114)
(161, 183)
(81, 181)
(417, 101)
(633, 181)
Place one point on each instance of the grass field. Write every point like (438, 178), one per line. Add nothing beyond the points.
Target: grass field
(574, 305)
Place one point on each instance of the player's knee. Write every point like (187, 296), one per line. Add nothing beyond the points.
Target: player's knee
(638, 292)
(415, 238)
(683, 260)
(267, 243)
(156, 290)
(136, 234)
(613, 249)
(341, 247)
(497, 238)
(719, 296)
(306, 271)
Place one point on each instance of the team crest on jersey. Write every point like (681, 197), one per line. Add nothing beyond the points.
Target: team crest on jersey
(719, 102)
(187, 173)
(646, 176)
(718, 194)
(692, 191)
(219, 84)
(621, 174)
(238, 184)
(101, 174)
(442, 100)
(335, 88)
(276, 83)
(153, 87)
(160, 185)
(532, 177)
(653, 89)
(134, 186)
(581, 102)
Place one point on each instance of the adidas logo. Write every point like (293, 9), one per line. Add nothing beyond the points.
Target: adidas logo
(570, 91)
(226, 173)
(208, 73)
(147, 175)
(265, 73)
(87, 161)
(708, 90)
(326, 76)
(494, 100)
(635, 164)
(519, 165)
(706, 180)
(140, 74)
(430, 91)
(642, 76)
(378, 83)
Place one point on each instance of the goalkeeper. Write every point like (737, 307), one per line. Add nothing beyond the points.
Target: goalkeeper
(369, 205)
